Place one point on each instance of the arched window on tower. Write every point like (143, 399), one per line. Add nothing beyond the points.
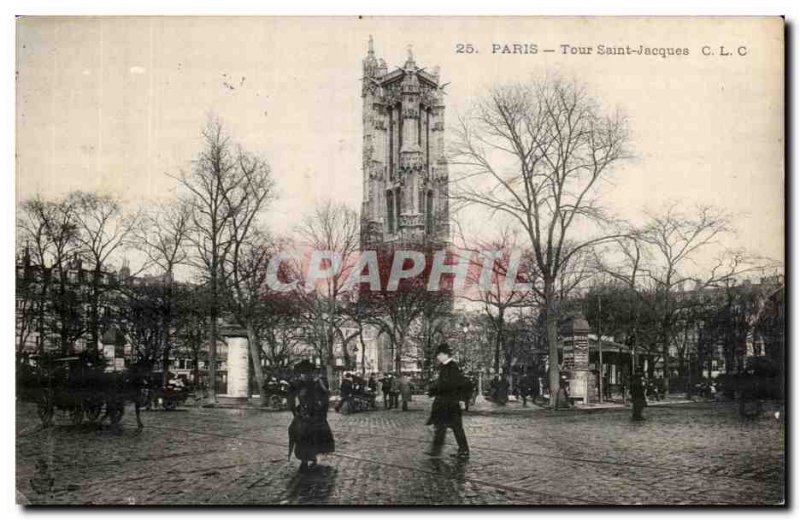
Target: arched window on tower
(389, 212)
(427, 142)
(391, 143)
(429, 213)
(399, 128)
(398, 205)
(420, 111)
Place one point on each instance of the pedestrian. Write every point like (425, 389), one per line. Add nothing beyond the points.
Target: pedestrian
(466, 395)
(638, 396)
(606, 387)
(372, 384)
(386, 387)
(502, 391)
(623, 386)
(475, 388)
(526, 389)
(562, 395)
(345, 392)
(405, 391)
(309, 433)
(446, 411)
(394, 391)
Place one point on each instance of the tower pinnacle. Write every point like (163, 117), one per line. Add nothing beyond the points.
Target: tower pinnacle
(410, 61)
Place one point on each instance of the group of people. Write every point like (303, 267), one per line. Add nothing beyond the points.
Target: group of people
(396, 389)
(310, 434)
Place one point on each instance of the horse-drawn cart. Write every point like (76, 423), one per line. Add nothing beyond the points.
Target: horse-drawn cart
(79, 387)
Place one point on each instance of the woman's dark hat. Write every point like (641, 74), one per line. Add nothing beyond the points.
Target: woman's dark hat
(444, 348)
(304, 367)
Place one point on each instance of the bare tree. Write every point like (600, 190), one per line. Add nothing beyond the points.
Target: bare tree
(332, 234)
(536, 153)
(251, 250)
(659, 267)
(49, 231)
(191, 315)
(142, 318)
(495, 288)
(162, 236)
(627, 271)
(674, 240)
(218, 189)
(102, 230)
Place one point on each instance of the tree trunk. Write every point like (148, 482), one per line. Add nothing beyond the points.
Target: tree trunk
(64, 329)
(196, 367)
(398, 354)
(167, 323)
(94, 310)
(212, 355)
(363, 350)
(165, 366)
(255, 357)
(329, 372)
(500, 340)
(41, 311)
(551, 320)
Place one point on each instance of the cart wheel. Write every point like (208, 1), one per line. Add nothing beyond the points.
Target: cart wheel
(115, 414)
(93, 413)
(275, 402)
(76, 415)
(170, 404)
(44, 409)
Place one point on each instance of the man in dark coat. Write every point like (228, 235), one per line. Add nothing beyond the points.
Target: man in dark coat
(526, 388)
(446, 411)
(638, 396)
(467, 392)
(309, 432)
(345, 392)
(386, 390)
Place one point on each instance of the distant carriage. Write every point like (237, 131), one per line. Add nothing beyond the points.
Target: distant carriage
(361, 398)
(80, 387)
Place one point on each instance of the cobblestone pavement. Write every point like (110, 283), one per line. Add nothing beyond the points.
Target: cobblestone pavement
(682, 454)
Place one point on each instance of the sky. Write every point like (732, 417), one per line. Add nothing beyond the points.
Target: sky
(118, 104)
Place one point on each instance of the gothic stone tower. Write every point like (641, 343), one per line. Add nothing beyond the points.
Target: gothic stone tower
(405, 172)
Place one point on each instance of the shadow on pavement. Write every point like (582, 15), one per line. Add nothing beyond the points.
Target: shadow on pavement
(313, 486)
(450, 479)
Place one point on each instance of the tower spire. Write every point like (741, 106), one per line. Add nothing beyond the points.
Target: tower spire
(410, 61)
(370, 63)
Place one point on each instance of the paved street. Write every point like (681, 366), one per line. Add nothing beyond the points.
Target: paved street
(698, 453)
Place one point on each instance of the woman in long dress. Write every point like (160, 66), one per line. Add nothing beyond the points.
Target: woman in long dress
(309, 433)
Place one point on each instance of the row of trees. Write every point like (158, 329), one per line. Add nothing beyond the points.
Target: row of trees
(204, 258)
(533, 153)
(211, 231)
